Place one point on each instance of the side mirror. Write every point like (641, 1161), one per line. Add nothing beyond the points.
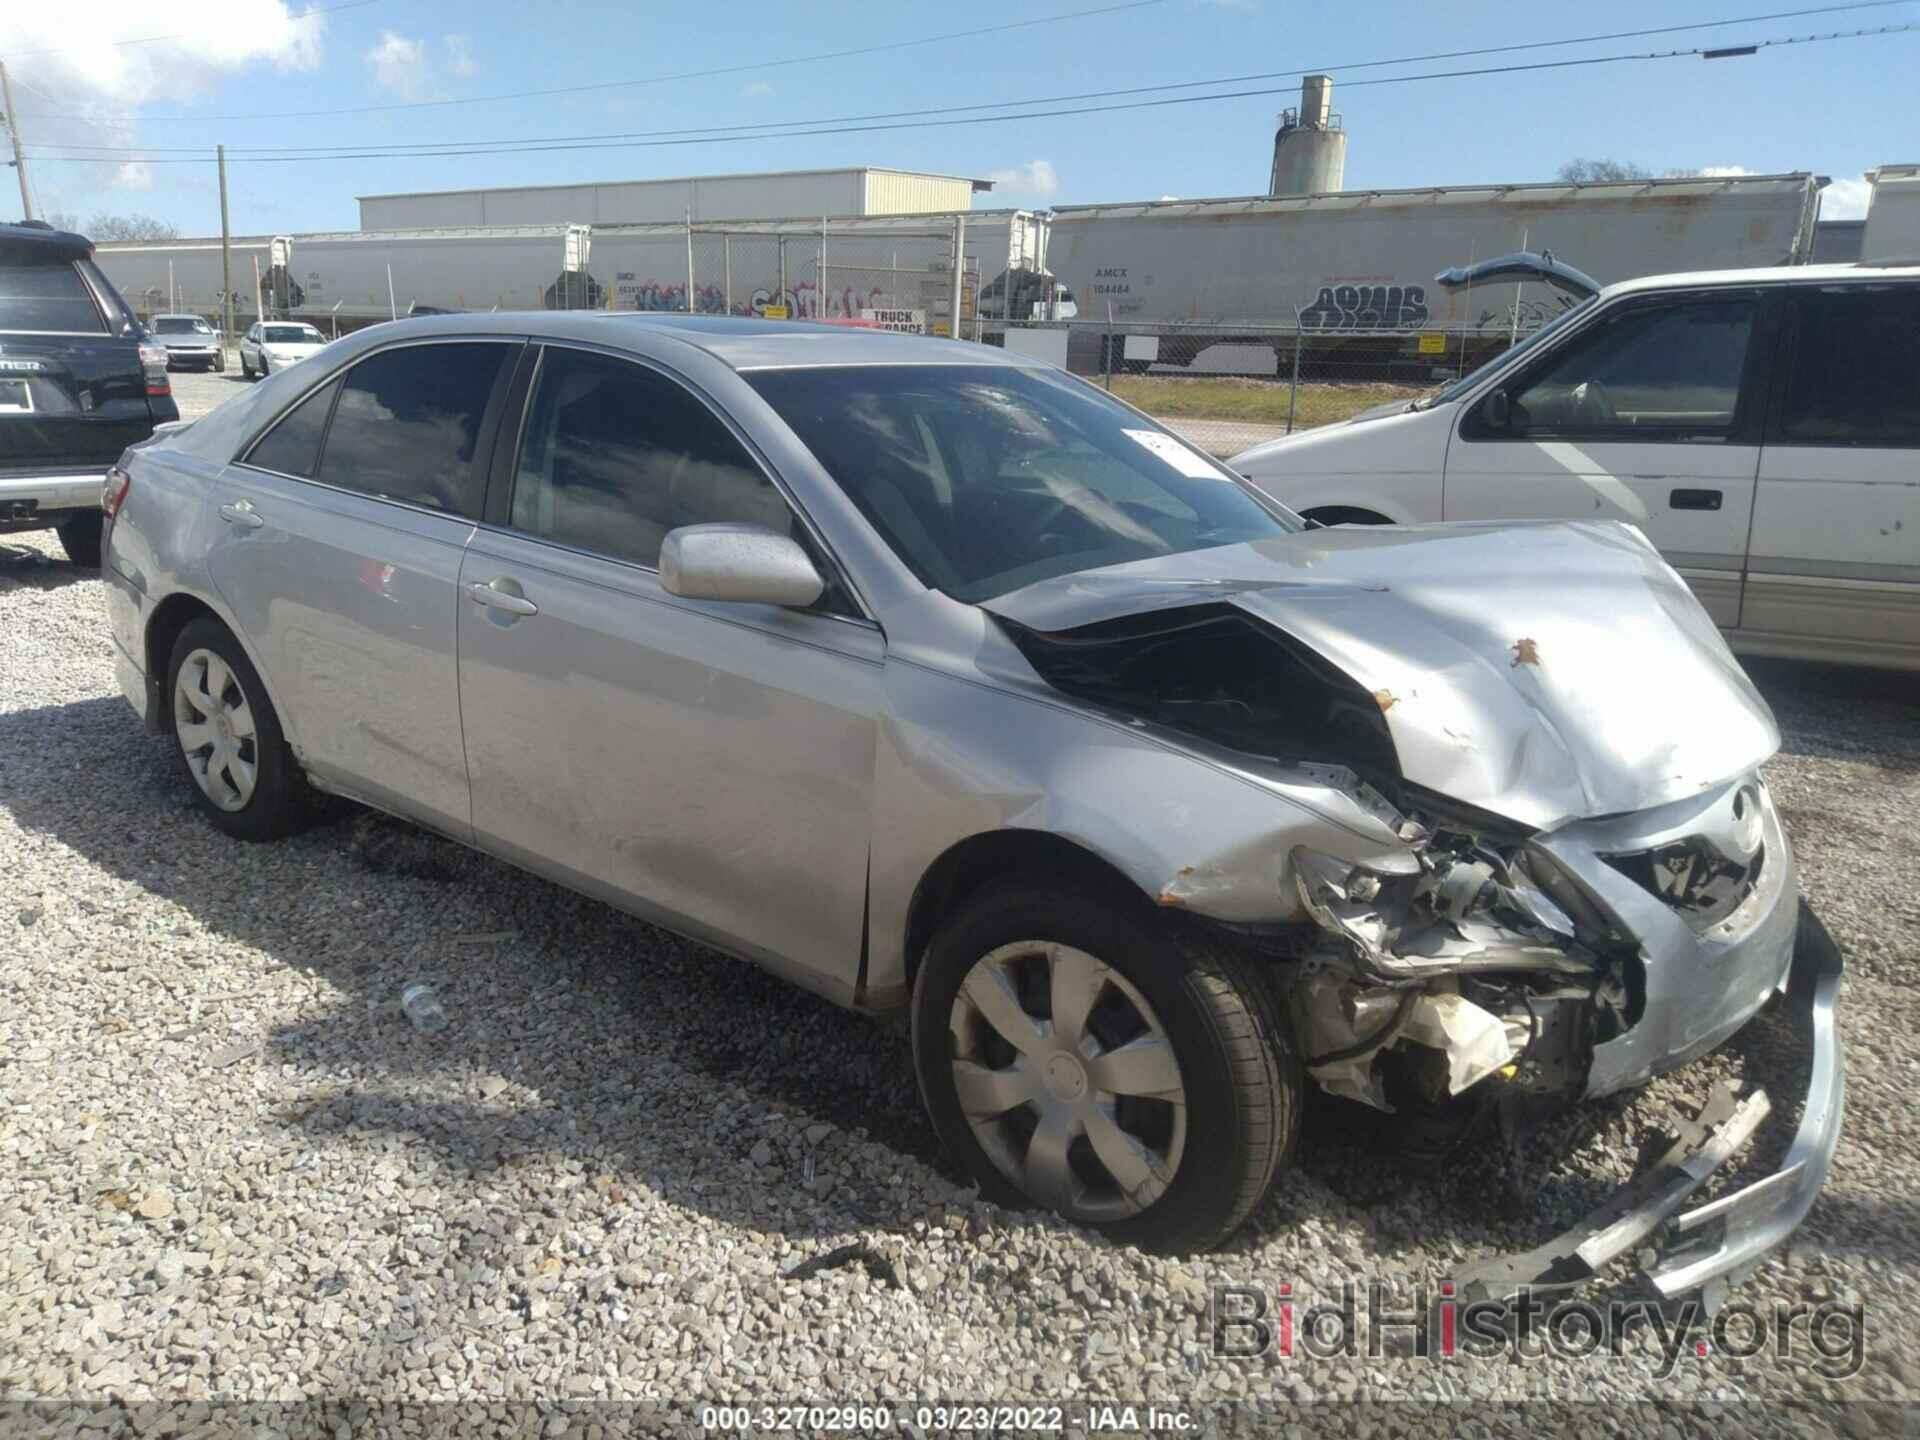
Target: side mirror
(738, 562)
(1498, 411)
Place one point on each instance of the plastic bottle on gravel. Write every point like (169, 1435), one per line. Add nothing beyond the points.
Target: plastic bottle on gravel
(423, 1008)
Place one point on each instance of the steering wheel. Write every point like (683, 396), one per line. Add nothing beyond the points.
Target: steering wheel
(1592, 405)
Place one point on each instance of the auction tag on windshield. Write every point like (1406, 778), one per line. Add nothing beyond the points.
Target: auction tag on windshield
(1175, 454)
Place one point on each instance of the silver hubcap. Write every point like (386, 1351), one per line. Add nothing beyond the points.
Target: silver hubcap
(1068, 1080)
(215, 725)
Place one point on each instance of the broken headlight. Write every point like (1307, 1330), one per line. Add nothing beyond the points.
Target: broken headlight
(1466, 909)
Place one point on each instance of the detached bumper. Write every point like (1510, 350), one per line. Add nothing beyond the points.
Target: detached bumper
(1704, 1250)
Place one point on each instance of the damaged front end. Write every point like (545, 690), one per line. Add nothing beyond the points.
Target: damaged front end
(1422, 986)
(1559, 894)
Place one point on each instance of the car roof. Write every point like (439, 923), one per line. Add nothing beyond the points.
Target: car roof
(1865, 273)
(740, 342)
(37, 240)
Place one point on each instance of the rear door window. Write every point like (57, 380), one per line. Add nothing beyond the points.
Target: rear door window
(408, 424)
(1854, 378)
(293, 446)
(47, 297)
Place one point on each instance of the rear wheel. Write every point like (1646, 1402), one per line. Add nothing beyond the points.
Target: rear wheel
(1081, 1055)
(80, 537)
(228, 739)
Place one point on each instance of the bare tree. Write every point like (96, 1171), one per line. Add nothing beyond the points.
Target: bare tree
(130, 227)
(1580, 169)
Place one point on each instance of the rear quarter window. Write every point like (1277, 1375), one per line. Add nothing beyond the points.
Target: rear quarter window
(47, 297)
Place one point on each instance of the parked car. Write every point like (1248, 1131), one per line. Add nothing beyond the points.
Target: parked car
(272, 345)
(1761, 427)
(937, 680)
(190, 341)
(79, 382)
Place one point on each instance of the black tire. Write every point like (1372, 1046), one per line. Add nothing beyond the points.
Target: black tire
(281, 803)
(263, 365)
(80, 537)
(1237, 1062)
(1345, 515)
(246, 370)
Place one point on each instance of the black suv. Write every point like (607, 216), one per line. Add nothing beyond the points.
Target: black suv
(80, 381)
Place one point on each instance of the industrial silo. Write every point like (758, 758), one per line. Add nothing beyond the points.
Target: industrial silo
(1309, 148)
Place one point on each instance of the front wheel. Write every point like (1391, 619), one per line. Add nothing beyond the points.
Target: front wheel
(1084, 1056)
(246, 366)
(228, 739)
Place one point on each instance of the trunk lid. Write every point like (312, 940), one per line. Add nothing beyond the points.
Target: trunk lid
(1543, 671)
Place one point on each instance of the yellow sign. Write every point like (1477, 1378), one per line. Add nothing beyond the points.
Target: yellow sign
(774, 312)
(1432, 344)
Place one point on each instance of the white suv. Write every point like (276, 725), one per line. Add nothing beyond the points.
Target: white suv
(1762, 427)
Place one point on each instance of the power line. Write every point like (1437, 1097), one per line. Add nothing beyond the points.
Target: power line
(659, 79)
(709, 138)
(157, 39)
(461, 146)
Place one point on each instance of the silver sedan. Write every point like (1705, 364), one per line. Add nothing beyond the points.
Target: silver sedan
(937, 680)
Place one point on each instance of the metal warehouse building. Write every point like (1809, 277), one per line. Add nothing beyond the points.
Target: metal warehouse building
(771, 196)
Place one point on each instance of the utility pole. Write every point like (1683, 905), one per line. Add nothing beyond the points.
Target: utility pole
(226, 255)
(13, 133)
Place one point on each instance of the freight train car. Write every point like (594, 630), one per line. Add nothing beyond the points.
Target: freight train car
(1354, 270)
(898, 264)
(347, 279)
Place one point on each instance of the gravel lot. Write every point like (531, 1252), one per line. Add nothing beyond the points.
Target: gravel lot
(230, 1169)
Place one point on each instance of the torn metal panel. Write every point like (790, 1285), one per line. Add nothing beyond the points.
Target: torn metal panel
(1632, 1213)
(1704, 1250)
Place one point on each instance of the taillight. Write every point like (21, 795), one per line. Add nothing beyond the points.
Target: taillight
(113, 494)
(153, 360)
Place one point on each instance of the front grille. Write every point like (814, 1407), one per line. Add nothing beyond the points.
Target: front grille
(1692, 878)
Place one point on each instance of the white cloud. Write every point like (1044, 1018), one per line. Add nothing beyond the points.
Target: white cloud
(1037, 180)
(77, 81)
(1846, 199)
(134, 175)
(460, 59)
(1723, 172)
(1165, 198)
(756, 87)
(400, 67)
(71, 50)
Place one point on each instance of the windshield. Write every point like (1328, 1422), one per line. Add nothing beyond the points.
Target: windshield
(987, 478)
(1466, 382)
(292, 335)
(179, 325)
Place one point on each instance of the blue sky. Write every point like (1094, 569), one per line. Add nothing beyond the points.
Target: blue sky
(1836, 108)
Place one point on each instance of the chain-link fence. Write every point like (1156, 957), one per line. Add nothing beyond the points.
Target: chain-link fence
(904, 280)
(1227, 388)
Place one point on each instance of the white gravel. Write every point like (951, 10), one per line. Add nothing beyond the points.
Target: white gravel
(229, 1169)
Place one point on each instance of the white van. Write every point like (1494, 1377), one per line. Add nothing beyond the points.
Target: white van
(1762, 427)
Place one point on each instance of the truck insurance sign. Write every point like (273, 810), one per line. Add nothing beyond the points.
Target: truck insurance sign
(901, 322)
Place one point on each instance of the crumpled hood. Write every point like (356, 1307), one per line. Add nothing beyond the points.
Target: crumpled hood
(1543, 671)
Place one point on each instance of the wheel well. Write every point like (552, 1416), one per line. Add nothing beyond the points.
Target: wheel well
(1344, 515)
(967, 867)
(170, 617)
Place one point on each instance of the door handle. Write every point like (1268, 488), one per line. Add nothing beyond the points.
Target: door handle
(496, 599)
(242, 513)
(1694, 500)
